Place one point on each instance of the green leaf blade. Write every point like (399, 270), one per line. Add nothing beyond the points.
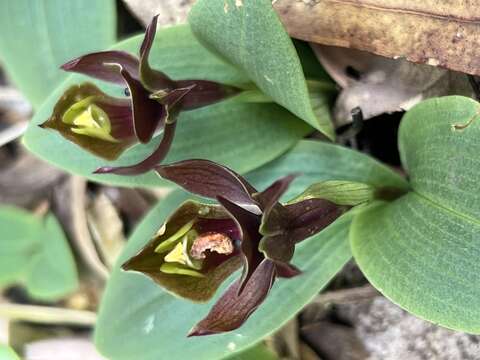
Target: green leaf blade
(37, 37)
(250, 35)
(422, 258)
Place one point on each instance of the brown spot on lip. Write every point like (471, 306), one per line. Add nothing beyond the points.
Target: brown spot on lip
(220, 243)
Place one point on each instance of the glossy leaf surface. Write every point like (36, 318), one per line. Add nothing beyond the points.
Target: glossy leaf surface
(422, 250)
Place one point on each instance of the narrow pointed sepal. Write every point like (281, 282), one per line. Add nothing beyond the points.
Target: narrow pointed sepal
(97, 65)
(151, 162)
(205, 93)
(208, 179)
(233, 309)
(153, 80)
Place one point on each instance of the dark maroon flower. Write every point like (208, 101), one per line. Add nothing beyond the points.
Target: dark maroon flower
(266, 234)
(106, 125)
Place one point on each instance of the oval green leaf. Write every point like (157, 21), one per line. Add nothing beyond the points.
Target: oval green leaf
(422, 250)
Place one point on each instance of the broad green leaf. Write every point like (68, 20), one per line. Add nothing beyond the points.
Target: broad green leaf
(422, 250)
(231, 132)
(36, 37)
(7, 353)
(137, 317)
(35, 252)
(249, 34)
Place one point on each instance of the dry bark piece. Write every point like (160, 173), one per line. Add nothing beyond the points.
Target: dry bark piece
(436, 33)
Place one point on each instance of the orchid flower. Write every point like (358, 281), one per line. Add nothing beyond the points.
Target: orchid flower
(201, 245)
(106, 126)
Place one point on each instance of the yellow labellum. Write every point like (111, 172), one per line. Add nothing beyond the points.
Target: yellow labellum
(169, 268)
(170, 243)
(89, 120)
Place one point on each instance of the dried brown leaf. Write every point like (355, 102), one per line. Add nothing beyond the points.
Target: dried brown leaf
(438, 33)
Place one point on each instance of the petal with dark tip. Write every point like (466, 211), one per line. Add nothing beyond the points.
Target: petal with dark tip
(150, 162)
(278, 248)
(153, 80)
(309, 217)
(172, 98)
(97, 65)
(274, 214)
(118, 110)
(205, 93)
(248, 224)
(147, 113)
(305, 219)
(233, 309)
(287, 271)
(208, 179)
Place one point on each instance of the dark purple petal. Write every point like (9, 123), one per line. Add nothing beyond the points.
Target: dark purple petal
(205, 93)
(233, 309)
(152, 79)
(248, 224)
(279, 248)
(274, 214)
(284, 270)
(147, 113)
(118, 110)
(150, 162)
(309, 217)
(271, 195)
(208, 179)
(305, 219)
(120, 114)
(171, 98)
(98, 65)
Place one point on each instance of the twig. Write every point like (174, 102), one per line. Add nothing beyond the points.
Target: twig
(346, 296)
(13, 132)
(47, 315)
(82, 237)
